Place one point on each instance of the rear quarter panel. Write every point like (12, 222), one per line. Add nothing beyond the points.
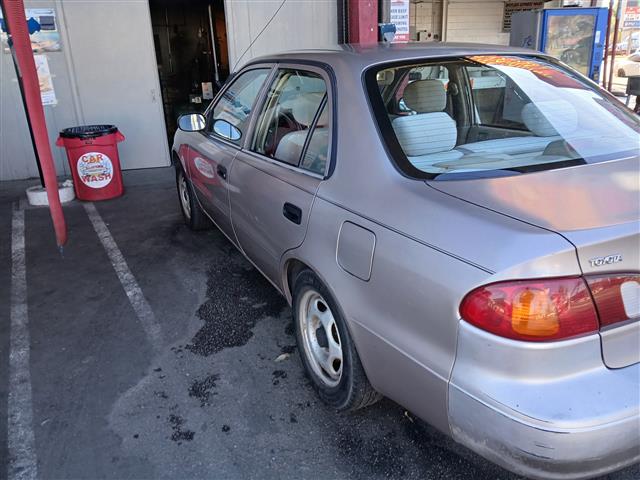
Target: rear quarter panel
(404, 318)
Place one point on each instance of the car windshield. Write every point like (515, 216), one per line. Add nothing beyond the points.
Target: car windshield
(490, 115)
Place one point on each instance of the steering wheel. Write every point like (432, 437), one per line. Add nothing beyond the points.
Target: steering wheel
(284, 124)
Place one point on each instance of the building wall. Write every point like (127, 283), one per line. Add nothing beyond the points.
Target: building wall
(17, 159)
(105, 73)
(298, 24)
(16, 152)
(475, 21)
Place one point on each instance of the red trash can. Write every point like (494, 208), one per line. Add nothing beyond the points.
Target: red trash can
(92, 151)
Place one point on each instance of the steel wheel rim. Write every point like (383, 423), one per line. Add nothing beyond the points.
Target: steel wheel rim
(321, 338)
(184, 196)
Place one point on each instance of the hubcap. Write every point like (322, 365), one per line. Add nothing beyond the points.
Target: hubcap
(320, 338)
(184, 196)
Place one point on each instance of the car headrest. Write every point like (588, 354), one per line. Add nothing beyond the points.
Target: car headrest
(425, 96)
(304, 107)
(425, 133)
(290, 147)
(550, 118)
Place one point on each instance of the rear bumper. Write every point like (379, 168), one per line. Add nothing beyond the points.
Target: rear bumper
(505, 405)
(548, 453)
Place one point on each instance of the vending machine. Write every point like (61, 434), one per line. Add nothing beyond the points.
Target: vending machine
(576, 36)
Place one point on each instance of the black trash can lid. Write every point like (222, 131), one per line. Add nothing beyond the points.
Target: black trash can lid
(88, 131)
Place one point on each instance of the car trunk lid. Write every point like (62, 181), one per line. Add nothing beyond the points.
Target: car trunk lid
(596, 207)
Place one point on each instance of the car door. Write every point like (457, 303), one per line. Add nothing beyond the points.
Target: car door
(274, 179)
(211, 155)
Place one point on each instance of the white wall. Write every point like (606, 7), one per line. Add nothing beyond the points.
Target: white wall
(105, 73)
(299, 24)
(475, 21)
(17, 159)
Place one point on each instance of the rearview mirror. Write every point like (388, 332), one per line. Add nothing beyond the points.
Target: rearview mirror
(193, 122)
(226, 130)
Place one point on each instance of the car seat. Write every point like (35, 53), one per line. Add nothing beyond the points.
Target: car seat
(430, 135)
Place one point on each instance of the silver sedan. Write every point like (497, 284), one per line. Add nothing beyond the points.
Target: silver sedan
(455, 227)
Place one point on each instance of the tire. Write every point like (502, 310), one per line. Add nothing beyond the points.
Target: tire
(192, 214)
(349, 389)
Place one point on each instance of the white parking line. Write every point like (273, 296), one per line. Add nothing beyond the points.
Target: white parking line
(128, 281)
(23, 463)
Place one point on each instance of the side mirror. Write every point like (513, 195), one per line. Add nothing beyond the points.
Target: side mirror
(193, 122)
(226, 130)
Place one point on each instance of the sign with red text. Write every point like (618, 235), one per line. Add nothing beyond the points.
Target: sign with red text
(399, 16)
(95, 169)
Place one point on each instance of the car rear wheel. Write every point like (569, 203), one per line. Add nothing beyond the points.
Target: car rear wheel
(192, 214)
(327, 350)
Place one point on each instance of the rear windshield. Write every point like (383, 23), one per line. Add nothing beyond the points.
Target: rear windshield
(493, 115)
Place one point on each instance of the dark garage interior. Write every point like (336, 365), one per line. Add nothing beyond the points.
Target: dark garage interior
(190, 41)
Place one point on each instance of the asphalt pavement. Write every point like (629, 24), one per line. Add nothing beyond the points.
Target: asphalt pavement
(218, 390)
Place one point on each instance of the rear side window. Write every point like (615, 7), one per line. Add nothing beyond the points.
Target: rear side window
(495, 115)
(293, 123)
(236, 103)
(496, 98)
(316, 154)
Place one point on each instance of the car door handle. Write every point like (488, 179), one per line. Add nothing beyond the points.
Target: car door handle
(222, 172)
(293, 213)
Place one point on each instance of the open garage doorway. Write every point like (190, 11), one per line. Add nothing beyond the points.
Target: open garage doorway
(190, 40)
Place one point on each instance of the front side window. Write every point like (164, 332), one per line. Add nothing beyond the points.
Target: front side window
(235, 105)
(496, 115)
(291, 111)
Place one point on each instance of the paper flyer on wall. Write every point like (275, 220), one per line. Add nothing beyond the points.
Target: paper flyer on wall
(47, 92)
(43, 30)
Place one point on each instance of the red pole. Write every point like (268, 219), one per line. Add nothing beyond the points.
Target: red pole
(363, 21)
(14, 15)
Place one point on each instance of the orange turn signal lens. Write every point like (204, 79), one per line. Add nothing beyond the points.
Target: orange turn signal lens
(533, 313)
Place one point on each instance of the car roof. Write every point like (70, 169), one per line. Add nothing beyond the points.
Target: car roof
(363, 56)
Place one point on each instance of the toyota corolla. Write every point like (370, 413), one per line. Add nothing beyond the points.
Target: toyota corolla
(455, 227)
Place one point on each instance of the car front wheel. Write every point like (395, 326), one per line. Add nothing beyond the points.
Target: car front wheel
(327, 350)
(192, 214)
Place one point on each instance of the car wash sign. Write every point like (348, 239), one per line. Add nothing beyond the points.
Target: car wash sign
(95, 169)
(399, 16)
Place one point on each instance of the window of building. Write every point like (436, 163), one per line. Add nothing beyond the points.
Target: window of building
(289, 114)
(236, 103)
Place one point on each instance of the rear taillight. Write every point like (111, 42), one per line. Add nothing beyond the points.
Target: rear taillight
(617, 297)
(532, 310)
